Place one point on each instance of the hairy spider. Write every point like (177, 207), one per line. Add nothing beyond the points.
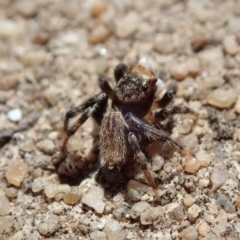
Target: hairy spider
(123, 129)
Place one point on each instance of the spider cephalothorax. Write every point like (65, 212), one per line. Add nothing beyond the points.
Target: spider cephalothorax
(123, 127)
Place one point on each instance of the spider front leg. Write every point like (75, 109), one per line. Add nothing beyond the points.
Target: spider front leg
(95, 107)
(140, 157)
(119, 71)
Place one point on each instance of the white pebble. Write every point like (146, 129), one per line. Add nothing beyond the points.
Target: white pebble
(138, 208)
(150, 215)
(127, 25)
(94, 199)
(114, 231)
(163, 43)
(51, 190)
(49, 225)
(97, 235)
(222, 98)
(15, 115)
(230, 45)
(193, 212)
(4, 203)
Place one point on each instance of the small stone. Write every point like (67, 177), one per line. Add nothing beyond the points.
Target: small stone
(11, 192)
(237, 106)
(189, 233)
(219, 176)
(5, 224)
(94, 199)
(28, 146)
(203, 183)
(136, 189)
(238, 202)
(51, 190)
(99, 34)
(179, 71)
(186, 126)
(193, 212)
(17, 170)
(193, 66)
(38, 184)
(4, 203)
(9, 28)
(18, 236)
(212, 81)
(222, 98)
(212, 59)
(199, 43)
(15, 115)
(138, 208)
(163, 43)
(188, 200)
(73, 196)
(225, 202)
(97, 235)
(41, 38)
(127, 25)
(150, 215)
(8, 82)
(157, 162)
(47, 146)
(49, 225)
(204, 158)
(192, 164)
(34, 58)
(203, 229)
(27, 8)
(114, 231)
(177, 213)
(98, 8)
(230, 45)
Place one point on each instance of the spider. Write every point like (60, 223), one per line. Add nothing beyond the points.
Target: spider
(123, 129)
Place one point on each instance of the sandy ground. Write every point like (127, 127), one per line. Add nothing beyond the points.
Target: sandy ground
(51, 54)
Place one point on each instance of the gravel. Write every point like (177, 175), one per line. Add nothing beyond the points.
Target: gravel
(52, 53)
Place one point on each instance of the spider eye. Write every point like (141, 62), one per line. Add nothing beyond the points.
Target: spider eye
(145, 87)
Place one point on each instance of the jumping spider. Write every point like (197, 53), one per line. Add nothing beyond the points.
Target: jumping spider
(123, 129)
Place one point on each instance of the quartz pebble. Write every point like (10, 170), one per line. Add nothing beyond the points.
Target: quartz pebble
(49, 225)
(225, 202)
(38, 184)
(9, 28)
(189, 233)
(94, 199)
(188, 200)
(97, 235)
(114, 230)
(34, 58)
(150, 215)
(99, 34)
(15, 115)
(138, 208)
(157, 162)
(237, 106)
(4, 203)
(203, 229)
(163, 43)
(219, 176)
(51, 190)
(192, 164)
(27, 8)
(47, 146)
(230, 45)
(222, 98)
(136, 189)
(127, 25)
(98, 8)
(16, 172)
(193, 212)
(73, 196)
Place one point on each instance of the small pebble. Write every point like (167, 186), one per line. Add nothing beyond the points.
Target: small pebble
(16, 171)
(219, 176)
(51, 190)
(204, 229)
(9, 29)
(186, 126)
(157, 162)
(49, 225)
(4, 203)
(179, 71)
(199, 43)
(8, 82)
(189, 233)
(238, 202)
(150, 215)
(97, 235)
(15, 115)
(99, 34)
(94, 199)
(34, 58)
(192, 164)
(163, 43)
(203, 183)
(11, 192)
(136, 189)
(225, 202)
(222, 98)
(237, 105)
(188, 200)
(127, 25)
(114, 231)
(73, 196)
(230, 45)
(27, 8)
(98, 8)
(138, 208)
(193, 212)
(6, 224)
(38, 184)
(47, 146)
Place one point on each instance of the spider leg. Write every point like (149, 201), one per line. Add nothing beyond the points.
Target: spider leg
(104, 85)
(95, 107)
(169, 111)
(167, 97)
(140, 157)
(119, 71)
(148, 131)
